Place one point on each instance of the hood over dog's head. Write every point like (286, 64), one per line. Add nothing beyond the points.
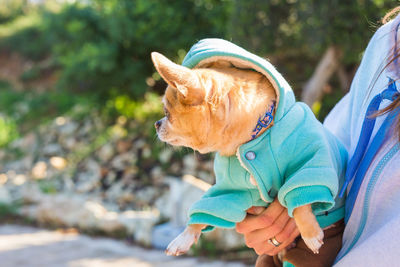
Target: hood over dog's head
(214, 100)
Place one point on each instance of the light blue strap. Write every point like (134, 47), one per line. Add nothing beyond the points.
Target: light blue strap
(368, 125)
(365, 135)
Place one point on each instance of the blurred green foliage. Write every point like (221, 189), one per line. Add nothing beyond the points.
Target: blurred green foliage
(7, 210)
(8, 130)
(294, 34)
(308, 27)
(33, 108)
(100, 49)
(22, 111)
(124, 105)
(9, 9)
(104, 44)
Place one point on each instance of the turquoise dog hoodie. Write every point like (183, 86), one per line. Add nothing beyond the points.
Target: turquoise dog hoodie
(296, 160)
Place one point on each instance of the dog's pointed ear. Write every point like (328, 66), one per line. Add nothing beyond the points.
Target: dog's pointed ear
(183, 79)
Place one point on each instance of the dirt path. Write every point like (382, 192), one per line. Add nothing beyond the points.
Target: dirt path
(24, 246)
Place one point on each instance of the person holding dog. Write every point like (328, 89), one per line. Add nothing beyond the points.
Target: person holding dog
(367, 121)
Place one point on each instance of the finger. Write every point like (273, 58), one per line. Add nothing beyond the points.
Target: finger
(255, 210)
(285, 237)
(262, 235)
(279, 225)
(265, 219)
(289, 235)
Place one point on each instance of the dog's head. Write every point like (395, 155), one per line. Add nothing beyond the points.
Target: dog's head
(210, 109)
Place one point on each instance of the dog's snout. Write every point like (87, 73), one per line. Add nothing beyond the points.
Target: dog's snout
(157, 124)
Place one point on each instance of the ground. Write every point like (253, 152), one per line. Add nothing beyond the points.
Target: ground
(25, 246)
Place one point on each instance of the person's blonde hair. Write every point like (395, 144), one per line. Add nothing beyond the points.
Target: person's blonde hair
(391, 15)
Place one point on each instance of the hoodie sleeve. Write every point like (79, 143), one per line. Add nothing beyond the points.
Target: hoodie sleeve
(226, 202)
(220, 208)
(313, 162)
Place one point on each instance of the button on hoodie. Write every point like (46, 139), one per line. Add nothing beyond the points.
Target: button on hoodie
(250, 155)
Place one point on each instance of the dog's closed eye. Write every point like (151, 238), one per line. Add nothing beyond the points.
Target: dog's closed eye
(166, 113)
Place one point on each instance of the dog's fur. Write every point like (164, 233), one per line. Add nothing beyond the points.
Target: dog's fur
(215, 109)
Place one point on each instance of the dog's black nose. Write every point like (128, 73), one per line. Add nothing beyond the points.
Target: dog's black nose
(157, 124)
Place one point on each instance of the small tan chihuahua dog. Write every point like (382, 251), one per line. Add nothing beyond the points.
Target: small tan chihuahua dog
(215, 109)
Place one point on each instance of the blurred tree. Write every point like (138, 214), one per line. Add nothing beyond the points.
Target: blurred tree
(103, 46)
(9, 9)
(106, 44)
(304, 31)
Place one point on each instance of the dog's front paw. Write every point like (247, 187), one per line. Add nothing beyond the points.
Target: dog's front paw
(315, 241)
(182, 243)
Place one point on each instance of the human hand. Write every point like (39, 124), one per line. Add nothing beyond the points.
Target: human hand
(262, 224)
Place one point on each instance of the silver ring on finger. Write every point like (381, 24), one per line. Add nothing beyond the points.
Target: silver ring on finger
(274, 242)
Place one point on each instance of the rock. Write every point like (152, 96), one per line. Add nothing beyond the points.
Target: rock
(157, 174)
(86, 129)
(90, 215)
(58, 163)
(39, 171)
(22, 165)
(19, 179)
(125, 197)
(146, 152)
(106, 152)
(26, 143)
(208, 166)
(206, 176)
(71, 211)
(140, 224)
(129, 174)
(3, 179)
(60, 121)
(11, 174)
(164, 233)
(120, 162)
(110, 177)
(139, 144)
(95, 187)
(5, 196)
(52, 150)
(175, 203)
(189, 164)
(68, 183)
(109, 223)
(86, 183)
(90, 179)
(175, 167)
(31, 193)
(123, 146)
(225, 238)
(60, 209)
(165, 155)
(68, 128)
(68, 142)
(146, 195)
(114, 191)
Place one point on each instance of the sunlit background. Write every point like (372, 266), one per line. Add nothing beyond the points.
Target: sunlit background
(79, 96)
